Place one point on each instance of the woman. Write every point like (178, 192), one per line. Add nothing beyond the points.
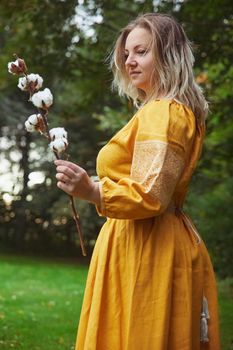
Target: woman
(151, 285)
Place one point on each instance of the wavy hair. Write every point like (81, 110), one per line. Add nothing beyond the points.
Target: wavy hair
(173, 76)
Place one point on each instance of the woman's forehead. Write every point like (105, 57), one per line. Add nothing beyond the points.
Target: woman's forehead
(138, 36)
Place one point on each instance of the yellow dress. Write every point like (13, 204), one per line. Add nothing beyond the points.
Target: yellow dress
(151, 285)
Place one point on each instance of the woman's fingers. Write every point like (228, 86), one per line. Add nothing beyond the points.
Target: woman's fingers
(68, 175)
(64, 187)
(66, 163)
(62, 177)
(67, 171)
(75, 181)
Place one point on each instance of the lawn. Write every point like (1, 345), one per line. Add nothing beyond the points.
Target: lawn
(40, 302)
(225, 288)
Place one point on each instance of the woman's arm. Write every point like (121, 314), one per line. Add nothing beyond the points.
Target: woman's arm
(162, 144)
(75, 181)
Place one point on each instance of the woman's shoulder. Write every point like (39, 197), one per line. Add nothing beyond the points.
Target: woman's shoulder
(166, 112)
(161, 106)
(168, 119)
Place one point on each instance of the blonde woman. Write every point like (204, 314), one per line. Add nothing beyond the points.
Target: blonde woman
(151, 285)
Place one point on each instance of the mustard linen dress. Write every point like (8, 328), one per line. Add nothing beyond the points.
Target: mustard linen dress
(150, 285)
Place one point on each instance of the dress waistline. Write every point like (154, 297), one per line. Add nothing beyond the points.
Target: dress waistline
(172, 208)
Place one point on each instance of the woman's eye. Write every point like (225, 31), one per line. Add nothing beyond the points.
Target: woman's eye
(141, 52)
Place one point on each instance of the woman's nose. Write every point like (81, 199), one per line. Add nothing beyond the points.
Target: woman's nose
(130, 61)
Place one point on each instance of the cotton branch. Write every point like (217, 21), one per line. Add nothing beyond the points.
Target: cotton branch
(57, 137)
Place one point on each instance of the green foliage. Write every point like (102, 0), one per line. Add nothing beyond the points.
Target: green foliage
(68, 43)
(213, 210)
(210, 196)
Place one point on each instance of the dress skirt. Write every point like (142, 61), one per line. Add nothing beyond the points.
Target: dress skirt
(145, 286)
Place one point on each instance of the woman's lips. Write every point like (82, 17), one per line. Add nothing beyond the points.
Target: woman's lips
(134, 74)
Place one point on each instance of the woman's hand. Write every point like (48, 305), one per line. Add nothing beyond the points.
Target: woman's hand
(74, 180)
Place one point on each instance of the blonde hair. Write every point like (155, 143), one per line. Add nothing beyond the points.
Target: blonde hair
(173, 76)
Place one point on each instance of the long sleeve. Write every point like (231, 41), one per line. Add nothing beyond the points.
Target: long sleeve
(162, 143)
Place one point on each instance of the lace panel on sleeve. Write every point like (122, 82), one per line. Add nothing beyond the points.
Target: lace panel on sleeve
(158, 168)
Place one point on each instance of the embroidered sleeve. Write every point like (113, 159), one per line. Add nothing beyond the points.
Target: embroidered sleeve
(155, 172)
(160, 145)
(157, 167)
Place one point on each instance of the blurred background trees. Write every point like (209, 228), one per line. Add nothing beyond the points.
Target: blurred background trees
(68, 44)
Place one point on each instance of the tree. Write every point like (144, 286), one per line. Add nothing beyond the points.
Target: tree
(70, 50)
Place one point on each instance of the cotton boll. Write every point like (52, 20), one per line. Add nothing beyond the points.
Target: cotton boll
(36, 80)
(48, 97)
(17, 67)
(57, 133)
(37, 100)
(43, 99)
(29, 127)
(12, 66)
(9, 67)
(23, 85)
(33, 123)
(59, 145)
(34, 119)
(32, 82)
(11, 63)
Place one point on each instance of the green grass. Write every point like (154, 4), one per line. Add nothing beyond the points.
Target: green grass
(40, 303)
(225, 288)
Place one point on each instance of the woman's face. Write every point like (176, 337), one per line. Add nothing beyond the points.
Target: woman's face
(139, 61)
